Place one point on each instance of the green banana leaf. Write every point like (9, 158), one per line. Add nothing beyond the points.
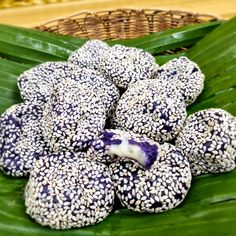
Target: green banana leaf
(210, 206)
(216, 55)
(9, 93)
(34, 47)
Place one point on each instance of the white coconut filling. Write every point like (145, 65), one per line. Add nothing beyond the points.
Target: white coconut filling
(127, 150)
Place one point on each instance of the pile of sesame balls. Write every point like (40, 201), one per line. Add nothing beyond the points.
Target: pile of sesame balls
(111, 122)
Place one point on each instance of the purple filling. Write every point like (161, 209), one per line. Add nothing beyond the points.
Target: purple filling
(107, 138)
(115, 142)
(150, 150)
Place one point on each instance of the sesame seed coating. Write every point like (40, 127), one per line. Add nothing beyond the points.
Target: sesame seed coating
(36, 84)
(185, 75)
(102, 87)
(208, 139)
(158, 189)
(100, 148)
(21, 139)
(73, 117)
(97, 151)
(10, 125)
(66, 191)
(89, 55)
(126, 65)
(152, 108)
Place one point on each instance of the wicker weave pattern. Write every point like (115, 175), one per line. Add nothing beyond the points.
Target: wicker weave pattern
(122, 23)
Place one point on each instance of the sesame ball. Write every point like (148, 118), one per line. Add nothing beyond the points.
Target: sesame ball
(73, 117)
(65, 191)
(126, 65)
(89, 55)
(208, 139)
(115, 144)
(158, 189)
(102, 87)
(21, 142)
(36, 84)
(185, 75)
(152, 108)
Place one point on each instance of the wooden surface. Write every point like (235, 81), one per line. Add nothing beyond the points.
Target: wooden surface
(35, 15)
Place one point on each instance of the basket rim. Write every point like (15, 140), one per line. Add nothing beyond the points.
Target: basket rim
(84, 12)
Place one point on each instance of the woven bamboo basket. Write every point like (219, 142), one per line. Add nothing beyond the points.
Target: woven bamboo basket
(122, 23)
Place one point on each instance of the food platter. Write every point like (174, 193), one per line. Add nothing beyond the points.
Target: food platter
(210, 204)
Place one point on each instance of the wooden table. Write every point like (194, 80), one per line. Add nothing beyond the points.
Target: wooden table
(34, 15)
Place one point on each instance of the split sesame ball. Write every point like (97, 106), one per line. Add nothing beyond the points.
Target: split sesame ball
(158, 189)
(113, 145)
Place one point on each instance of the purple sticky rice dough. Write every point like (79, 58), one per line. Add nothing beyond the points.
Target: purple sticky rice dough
(150, 150)
(107, 138)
